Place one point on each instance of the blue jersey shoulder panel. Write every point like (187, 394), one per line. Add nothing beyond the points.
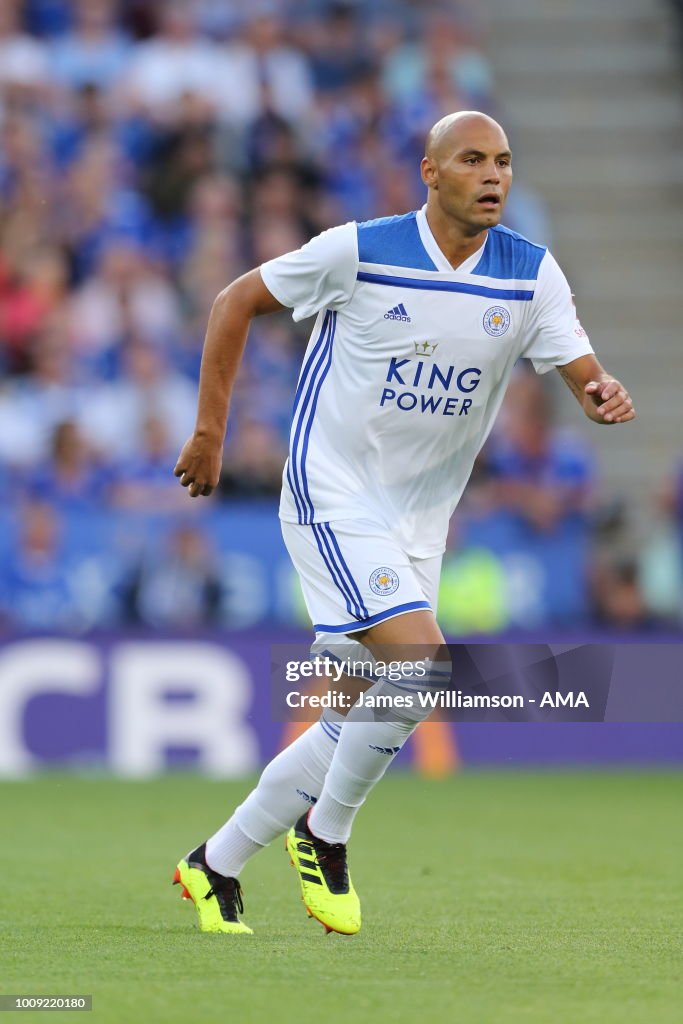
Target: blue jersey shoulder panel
(393, 241)
(509, 256)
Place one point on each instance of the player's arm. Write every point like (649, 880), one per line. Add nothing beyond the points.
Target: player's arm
(319, 275)
(603, 398)
(199, 463)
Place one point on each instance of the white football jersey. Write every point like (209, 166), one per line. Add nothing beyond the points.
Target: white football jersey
(407, 367)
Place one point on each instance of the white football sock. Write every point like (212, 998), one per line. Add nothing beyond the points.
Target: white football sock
(367, 746)
(288, 785)
(229, 850)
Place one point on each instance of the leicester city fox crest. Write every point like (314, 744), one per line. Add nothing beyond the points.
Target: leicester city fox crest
(384, 581)
(496, 321)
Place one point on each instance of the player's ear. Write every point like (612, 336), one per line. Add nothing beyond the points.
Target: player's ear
(429, 173)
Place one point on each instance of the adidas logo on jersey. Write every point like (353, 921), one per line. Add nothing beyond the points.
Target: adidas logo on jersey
(398, 313)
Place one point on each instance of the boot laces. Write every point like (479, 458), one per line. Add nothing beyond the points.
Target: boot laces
(228, 892)
(332, 861)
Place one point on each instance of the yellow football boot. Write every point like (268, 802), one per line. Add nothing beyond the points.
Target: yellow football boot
(218, 899)
(326, 886)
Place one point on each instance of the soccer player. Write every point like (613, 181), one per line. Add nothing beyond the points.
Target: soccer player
(420, 319)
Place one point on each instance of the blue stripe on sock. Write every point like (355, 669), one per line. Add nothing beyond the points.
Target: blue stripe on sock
(406, 684)
(327, 731)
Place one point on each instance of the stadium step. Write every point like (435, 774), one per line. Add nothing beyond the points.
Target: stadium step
(594, 107)
(612, 139)
(605, 58)
(608, 172)
(576, 227)
(575, 10)
(541, 109)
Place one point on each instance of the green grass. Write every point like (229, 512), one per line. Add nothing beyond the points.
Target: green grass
(501, 898)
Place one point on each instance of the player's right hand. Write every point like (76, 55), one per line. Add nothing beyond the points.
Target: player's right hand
(199, 465)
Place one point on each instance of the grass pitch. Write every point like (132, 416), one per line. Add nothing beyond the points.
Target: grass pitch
(489, 899)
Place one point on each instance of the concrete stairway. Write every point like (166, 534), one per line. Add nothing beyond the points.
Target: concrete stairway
(593, 105)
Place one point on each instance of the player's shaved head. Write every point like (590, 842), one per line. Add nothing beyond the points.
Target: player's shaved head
(467, 168)
(451, 132)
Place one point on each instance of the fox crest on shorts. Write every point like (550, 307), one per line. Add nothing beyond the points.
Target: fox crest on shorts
(384, 581)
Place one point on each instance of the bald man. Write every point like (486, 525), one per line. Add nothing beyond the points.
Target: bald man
(420, 319)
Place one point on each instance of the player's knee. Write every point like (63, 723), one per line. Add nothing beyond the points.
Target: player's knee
(408, 692)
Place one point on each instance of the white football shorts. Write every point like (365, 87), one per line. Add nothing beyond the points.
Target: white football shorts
(354, 574)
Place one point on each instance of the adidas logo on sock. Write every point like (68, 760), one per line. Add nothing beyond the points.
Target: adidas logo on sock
(384, 750)
(398, 313)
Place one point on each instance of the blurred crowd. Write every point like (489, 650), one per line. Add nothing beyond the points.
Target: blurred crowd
(150, 152)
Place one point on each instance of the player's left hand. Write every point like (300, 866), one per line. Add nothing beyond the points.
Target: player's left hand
(608, 401)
